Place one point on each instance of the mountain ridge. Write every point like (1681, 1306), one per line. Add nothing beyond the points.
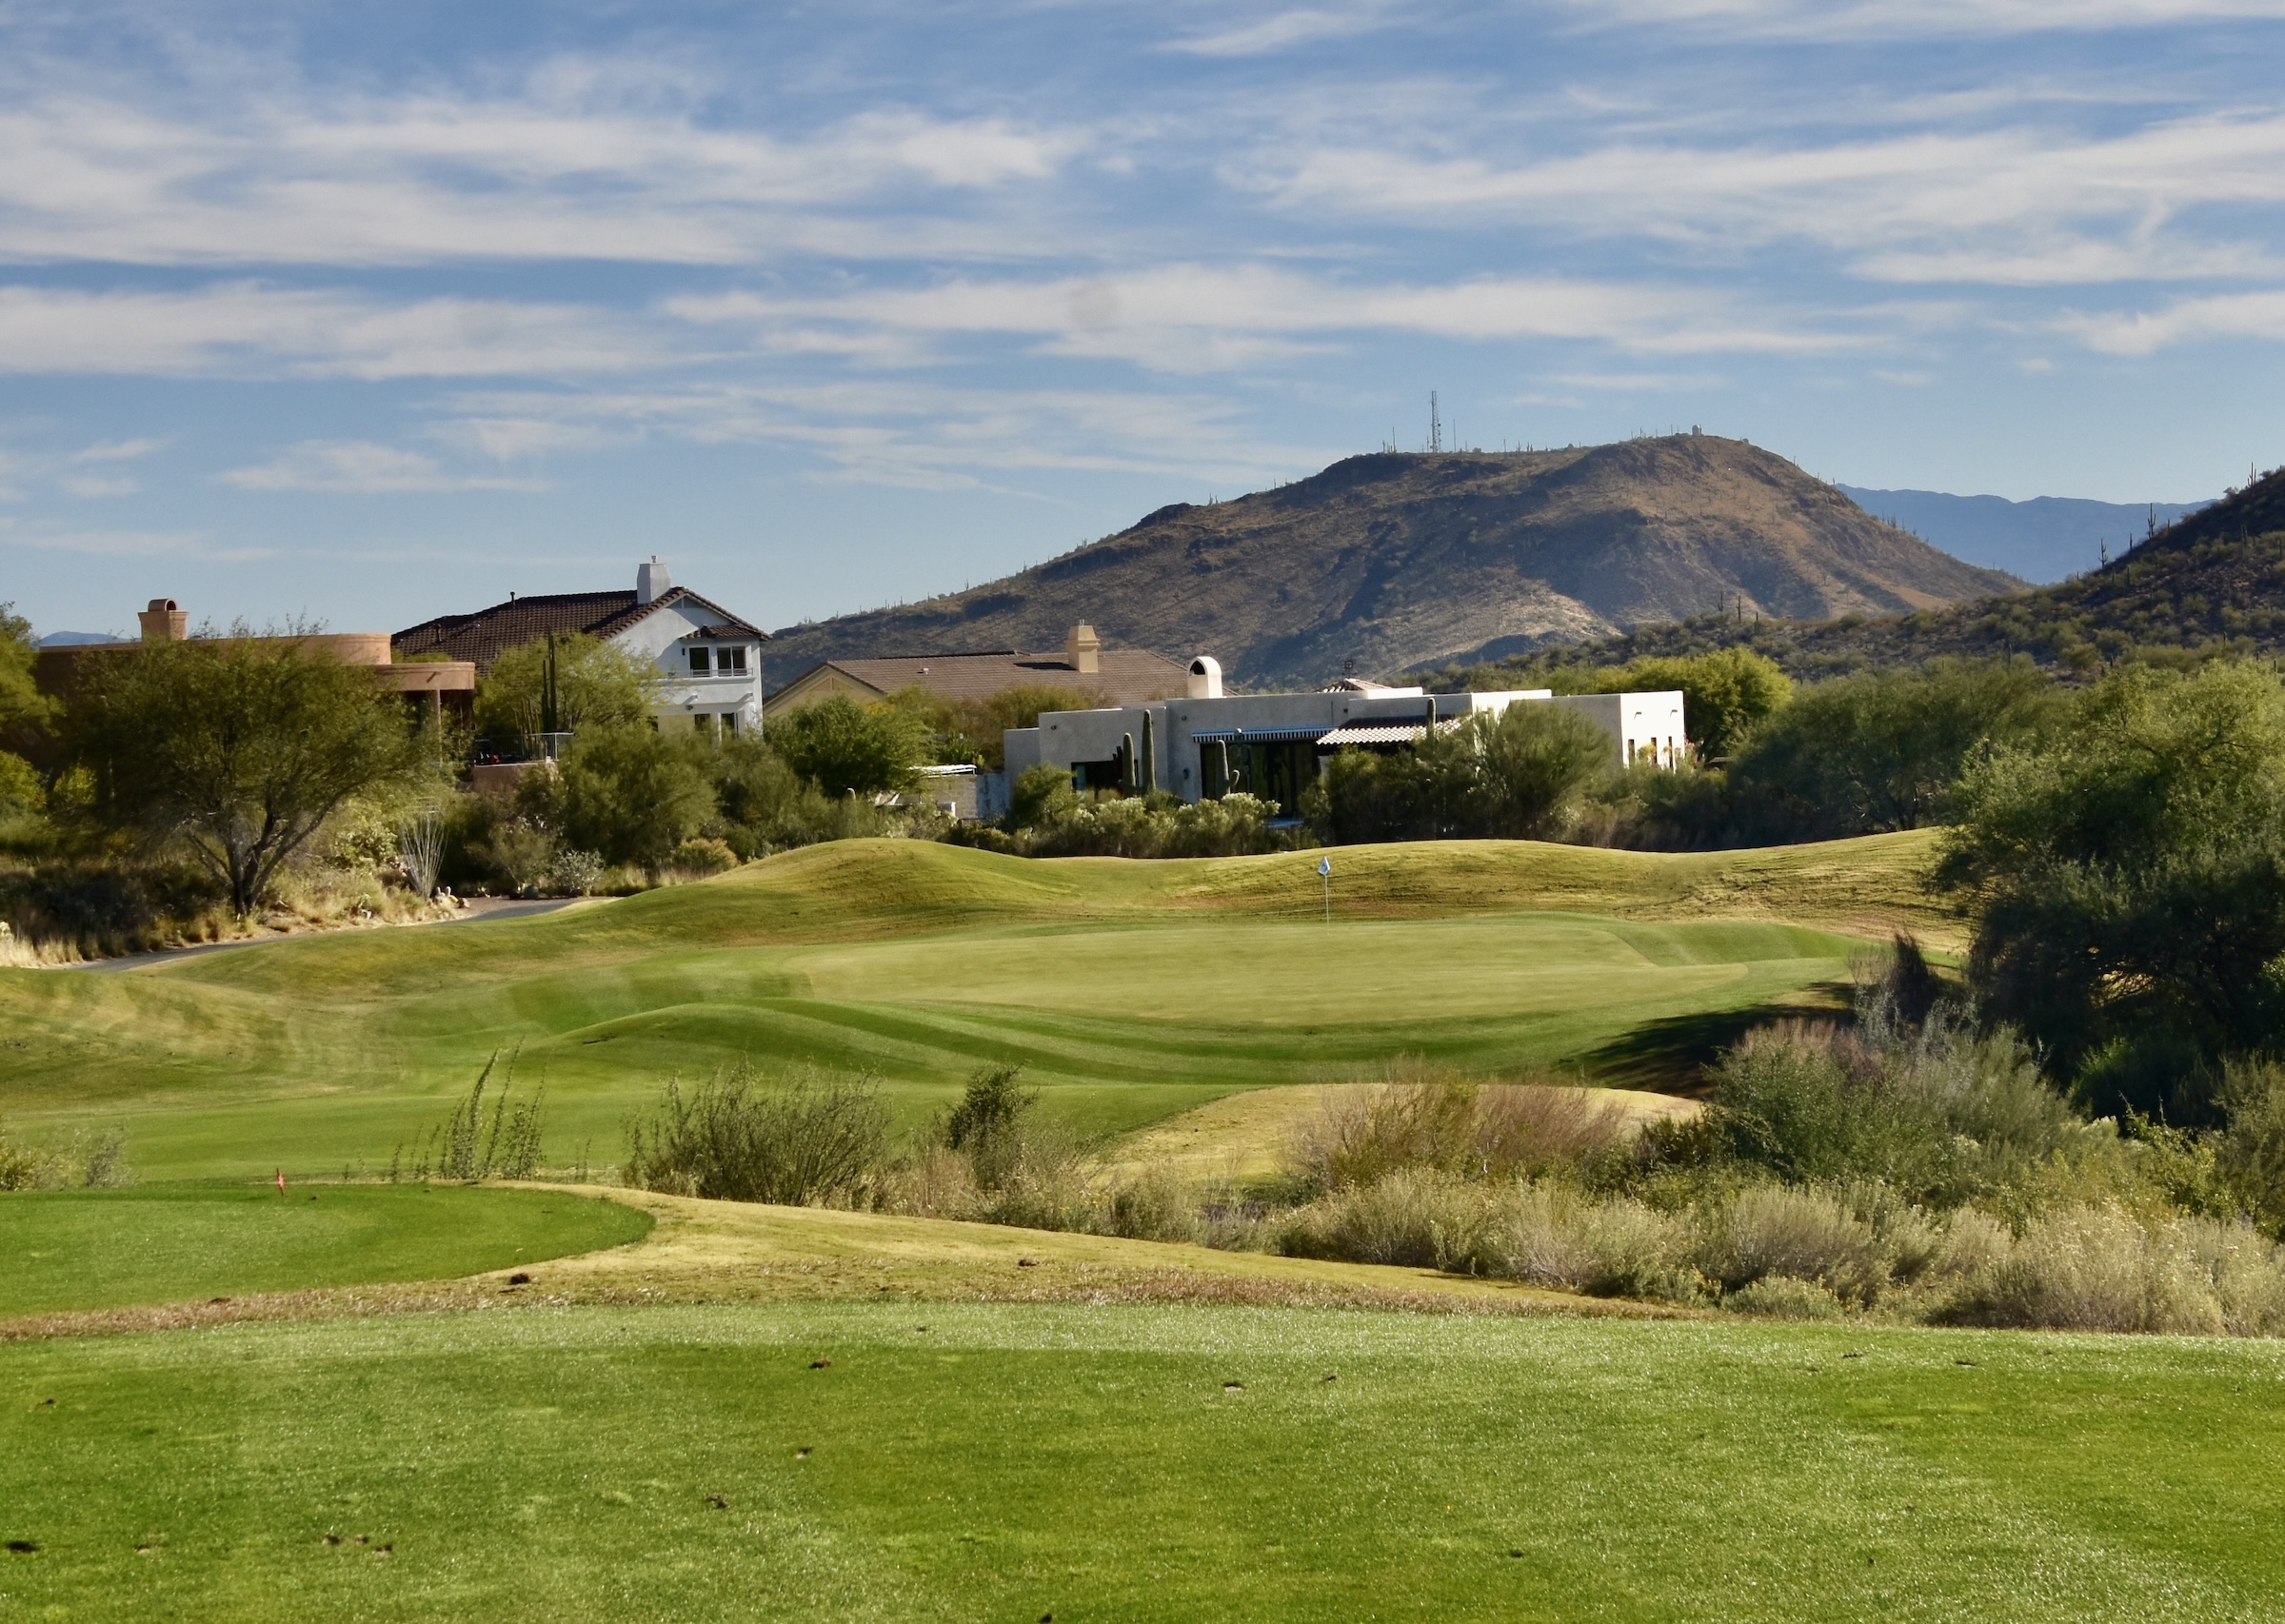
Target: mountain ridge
(1393, 560)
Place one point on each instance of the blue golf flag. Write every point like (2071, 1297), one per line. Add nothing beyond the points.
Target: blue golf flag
(1324, 866)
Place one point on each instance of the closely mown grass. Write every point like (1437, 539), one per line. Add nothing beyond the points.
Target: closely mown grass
(1127, 991)
(1013, 1461)
(120, 1248)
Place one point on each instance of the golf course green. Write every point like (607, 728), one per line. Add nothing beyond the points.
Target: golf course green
(1127, 991)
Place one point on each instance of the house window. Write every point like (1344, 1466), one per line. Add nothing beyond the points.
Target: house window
(729, 725)
(699, 661)
(732, 659)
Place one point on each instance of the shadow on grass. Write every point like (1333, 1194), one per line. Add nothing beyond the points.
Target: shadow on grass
(1669, 1056)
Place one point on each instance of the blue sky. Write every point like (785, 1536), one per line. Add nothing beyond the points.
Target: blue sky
(368, 313)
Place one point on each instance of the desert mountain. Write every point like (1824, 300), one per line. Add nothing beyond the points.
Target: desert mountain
(2212, 583)
(1397, 561)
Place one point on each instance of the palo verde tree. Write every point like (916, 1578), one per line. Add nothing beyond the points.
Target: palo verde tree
(236, 750)
(847, 748)
(560, 683)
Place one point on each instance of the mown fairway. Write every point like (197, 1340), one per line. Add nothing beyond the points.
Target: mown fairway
(94, 1249)
(1128, 990)
(1134, 1462)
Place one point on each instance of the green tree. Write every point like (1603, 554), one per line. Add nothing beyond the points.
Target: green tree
(847, 748)
(2126, 872)
(561, 683)
(631, 794)
(1534, 765)
(24, 710)
(1519, 775)
(236, 750)
(1726, 694)
(1880, 750)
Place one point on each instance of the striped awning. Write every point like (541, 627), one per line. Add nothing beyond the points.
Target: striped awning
(1259, 735)
(1369, 733)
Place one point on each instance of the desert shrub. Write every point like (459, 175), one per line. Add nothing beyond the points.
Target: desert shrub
(808, 1138)
(2250, 1153)
(1414, 1216)
(763, 805)
(701, 856)
(1942, 1114)
(1779, 1296)
(1426, 1118)
(1153, 1206)
(89, 1161)
(473, 1145)
(1775, 1230)
(572, 873)
(2098, 1268)
(27, 1166)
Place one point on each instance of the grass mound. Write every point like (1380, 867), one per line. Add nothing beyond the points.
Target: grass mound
(127, 1248)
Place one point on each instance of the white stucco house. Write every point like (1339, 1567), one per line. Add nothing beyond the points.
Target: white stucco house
(1210, 744)
(708, 660)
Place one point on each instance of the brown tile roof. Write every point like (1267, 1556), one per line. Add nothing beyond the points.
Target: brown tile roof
(1129, 676)
(487, 634)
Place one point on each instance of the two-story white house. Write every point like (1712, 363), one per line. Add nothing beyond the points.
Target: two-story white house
(708, 660)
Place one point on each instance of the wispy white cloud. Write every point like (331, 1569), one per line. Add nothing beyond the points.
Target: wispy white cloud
(926, 436)
(1898, 19)
(2230, 315)
(308, 180)
(363, 467)
(192, 545)
(1299, 25)
(2015, 205)
(116, 450)
(92, 486)
(241, 329)
(1201, 318)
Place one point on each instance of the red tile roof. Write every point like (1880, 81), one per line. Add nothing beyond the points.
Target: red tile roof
(487, 634)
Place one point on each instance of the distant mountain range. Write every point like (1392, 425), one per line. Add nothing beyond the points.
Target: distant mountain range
(2043, 540)
(1395, 561)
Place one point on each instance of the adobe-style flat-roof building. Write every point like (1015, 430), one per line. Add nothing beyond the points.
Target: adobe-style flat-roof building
(1123, 675)
(1207, 744)
(708, 660)
(441, 685)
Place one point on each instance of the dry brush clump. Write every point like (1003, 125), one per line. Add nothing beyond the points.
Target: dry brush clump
(86, 1161)
(808, 1138)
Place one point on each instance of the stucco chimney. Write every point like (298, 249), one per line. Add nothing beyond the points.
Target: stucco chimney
(1084, 648)
(164, 622)
(651, 581)
(1206, 678)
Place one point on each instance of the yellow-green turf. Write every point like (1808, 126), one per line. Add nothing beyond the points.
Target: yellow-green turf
(1128, 990)
(1013, 1461)
(94, 1249)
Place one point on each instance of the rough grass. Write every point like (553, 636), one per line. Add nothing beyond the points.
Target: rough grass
(103, 1249)
(925, 1461)
(1129, 991)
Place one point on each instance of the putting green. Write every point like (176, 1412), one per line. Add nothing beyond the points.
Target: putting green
(1128, 991)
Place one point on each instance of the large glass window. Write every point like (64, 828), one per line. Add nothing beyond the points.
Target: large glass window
(699, 661)
(1267, 772)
